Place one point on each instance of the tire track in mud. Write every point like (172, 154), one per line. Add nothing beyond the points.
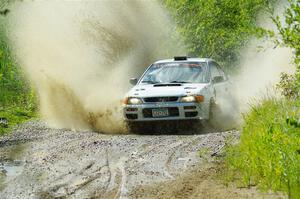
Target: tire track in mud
(70, 164)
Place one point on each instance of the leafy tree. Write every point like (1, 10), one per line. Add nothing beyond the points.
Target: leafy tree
(289, 32)
(218, 28)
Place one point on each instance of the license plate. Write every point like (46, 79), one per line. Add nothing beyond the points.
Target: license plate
(163, 112)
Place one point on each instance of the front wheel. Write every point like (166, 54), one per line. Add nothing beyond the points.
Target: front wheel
(214, 112)
(133, 127)
(140, 127)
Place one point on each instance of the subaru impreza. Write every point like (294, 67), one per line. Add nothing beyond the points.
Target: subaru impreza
(182, 88)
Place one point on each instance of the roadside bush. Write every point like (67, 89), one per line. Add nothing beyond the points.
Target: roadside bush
(12, 116)
(17, 98)
(268, 154)
(289, 36)
(289, 85)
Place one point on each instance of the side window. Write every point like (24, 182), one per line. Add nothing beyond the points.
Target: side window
(222, 73)
(214, 72)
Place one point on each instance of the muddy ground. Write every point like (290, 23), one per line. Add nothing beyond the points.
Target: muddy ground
(39, 162)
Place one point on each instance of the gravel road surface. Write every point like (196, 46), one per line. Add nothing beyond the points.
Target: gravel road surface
(51, 163)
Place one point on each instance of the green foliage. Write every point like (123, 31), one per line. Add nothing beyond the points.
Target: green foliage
(269, 150)
(218, 29)
(15, 115)
(17, 99)
(288, 86)
(289, 32)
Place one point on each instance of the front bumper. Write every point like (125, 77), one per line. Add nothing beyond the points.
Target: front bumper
(177, 111)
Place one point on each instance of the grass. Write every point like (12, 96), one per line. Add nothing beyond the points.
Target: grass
(13, 116)
(268, 154)
(17, 99)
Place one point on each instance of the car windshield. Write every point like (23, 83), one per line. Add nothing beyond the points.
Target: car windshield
(176, 72)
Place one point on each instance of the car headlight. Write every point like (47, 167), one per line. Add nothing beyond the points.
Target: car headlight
(188, 99)
(132, 100)
(192, 98)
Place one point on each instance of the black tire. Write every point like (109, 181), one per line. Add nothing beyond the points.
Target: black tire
(140, 127)
(133, 127)
(214, 111)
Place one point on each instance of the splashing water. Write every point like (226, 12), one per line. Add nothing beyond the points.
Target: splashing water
(80, 55)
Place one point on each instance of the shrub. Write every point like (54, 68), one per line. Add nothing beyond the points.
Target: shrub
(17, 99)
(268, 154)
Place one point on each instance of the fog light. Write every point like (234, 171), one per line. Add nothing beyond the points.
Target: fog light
(190, 107)
(131, 109)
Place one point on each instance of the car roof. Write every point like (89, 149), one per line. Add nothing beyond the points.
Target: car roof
(187, 60)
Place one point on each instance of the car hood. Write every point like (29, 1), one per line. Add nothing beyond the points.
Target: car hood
(161, 90)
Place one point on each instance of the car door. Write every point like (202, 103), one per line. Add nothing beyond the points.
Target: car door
(219, 81)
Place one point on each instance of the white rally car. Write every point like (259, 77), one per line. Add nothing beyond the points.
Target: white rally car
(182, 88)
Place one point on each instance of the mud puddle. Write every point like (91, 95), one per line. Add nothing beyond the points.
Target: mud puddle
(9, 169)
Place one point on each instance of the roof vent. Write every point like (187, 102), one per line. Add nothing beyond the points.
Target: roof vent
(180, 58)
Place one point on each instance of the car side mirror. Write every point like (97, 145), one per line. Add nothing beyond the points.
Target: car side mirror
(218, 79)
(133, 81)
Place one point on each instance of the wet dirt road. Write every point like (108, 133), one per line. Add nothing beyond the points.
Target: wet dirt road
(68, 164)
